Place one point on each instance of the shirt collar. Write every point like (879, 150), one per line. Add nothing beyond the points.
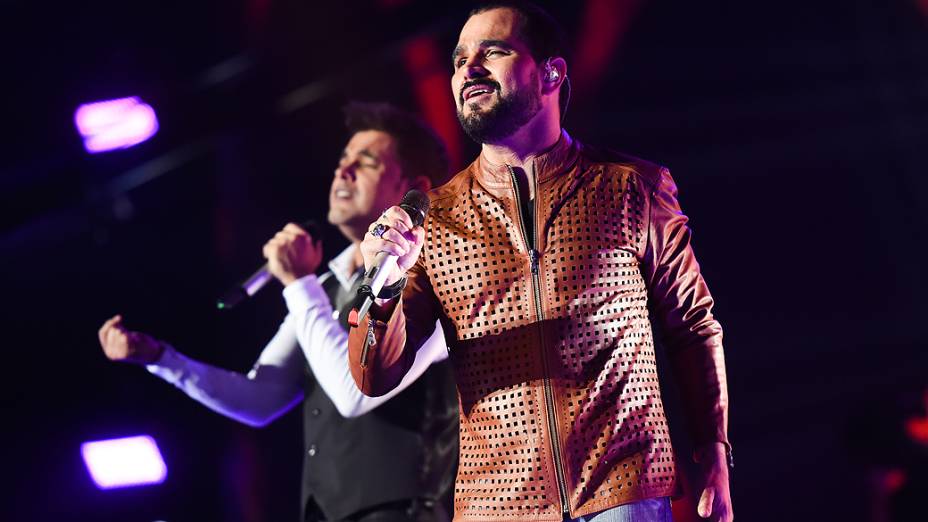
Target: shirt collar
(340, 266)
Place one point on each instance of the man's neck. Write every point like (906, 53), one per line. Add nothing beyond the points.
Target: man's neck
(533, 138)
(521, 148)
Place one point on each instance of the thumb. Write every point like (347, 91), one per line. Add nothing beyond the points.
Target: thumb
(118, 324)
(704, 508)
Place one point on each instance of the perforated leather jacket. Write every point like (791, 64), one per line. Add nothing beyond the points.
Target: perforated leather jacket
(550, 333)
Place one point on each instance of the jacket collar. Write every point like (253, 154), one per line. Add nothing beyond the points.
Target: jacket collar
(548, 164)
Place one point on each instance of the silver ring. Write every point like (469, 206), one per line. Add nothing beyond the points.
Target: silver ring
(379, 230)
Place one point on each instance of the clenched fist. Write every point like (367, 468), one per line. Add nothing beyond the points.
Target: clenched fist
(292, 254)
(397, 236)
(123, 345)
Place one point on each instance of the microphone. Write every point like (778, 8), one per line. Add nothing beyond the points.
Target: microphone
(416, 204)
(256, 281)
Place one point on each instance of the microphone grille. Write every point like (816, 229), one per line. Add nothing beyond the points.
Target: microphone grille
(416, 204)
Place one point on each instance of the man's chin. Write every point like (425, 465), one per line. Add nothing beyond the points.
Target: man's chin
(350, 223)
(337, 217)
(474, 116)
(478, 108)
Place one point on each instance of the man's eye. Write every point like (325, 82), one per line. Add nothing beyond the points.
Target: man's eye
(459, 62)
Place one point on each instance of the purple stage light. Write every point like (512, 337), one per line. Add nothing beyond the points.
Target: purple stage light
(129, 461)
(115, 124)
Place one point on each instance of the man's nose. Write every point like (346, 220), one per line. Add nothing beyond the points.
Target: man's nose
(345, 172)
(474, 69)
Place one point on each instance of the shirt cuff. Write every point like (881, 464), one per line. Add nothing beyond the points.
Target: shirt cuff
(170, 365)
(304, 293)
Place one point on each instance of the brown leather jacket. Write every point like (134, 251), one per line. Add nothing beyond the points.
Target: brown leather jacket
(550, 336)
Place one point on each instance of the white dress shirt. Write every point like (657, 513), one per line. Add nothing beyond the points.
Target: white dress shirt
(275, 383)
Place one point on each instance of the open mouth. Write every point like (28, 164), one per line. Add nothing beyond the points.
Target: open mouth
(473, 91)
(342, 194)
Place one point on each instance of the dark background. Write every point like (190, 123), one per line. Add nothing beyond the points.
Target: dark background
(797, 132)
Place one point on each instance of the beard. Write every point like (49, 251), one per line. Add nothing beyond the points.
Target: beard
(503, 118)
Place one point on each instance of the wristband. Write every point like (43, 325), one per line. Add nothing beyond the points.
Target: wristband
(392, 291)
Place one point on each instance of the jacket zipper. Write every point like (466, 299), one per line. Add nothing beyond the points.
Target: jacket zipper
(534, 256)
(369, 341)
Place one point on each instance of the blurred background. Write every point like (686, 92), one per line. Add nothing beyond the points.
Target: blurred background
(797, 132)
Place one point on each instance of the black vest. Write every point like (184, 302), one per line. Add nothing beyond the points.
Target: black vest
(404, 449)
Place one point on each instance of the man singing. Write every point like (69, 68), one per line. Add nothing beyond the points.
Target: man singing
(547, 262)
(385, 459)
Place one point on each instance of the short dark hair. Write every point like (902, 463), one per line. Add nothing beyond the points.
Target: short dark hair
(543, 35)
(421, 152)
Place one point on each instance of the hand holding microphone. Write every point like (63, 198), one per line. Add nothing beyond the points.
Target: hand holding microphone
(401, 240)
(391, 247)
(292, 253)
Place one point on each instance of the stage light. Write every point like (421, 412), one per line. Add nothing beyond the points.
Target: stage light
(125, 462)
(115, 124)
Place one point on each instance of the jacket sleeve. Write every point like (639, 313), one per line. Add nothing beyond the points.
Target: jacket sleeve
(681, 309)
(324, 344)
(396, 339)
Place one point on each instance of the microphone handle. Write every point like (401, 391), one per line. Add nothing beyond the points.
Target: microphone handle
(261, 277)
(256, 281)
(373, 280)
(248, 288)
(377, 275)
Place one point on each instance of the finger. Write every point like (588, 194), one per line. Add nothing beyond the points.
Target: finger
(102, 334)
(378, 229)
(390, 248)
(316, 254)
(113, 321)
(273, 249)
(416, 237)
(401, 226)
(114, 337)
(396, 237)
(118, 325)
(394, 214)
(704, 508)
(104, 330)
(369, 250)
(295, 229)
(285, 236)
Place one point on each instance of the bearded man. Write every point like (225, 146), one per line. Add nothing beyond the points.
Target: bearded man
(546, 262)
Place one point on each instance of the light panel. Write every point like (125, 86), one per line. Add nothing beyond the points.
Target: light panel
(124, 462)
(115, 124)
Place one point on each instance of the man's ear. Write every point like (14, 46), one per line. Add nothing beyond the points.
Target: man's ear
(554, 72)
